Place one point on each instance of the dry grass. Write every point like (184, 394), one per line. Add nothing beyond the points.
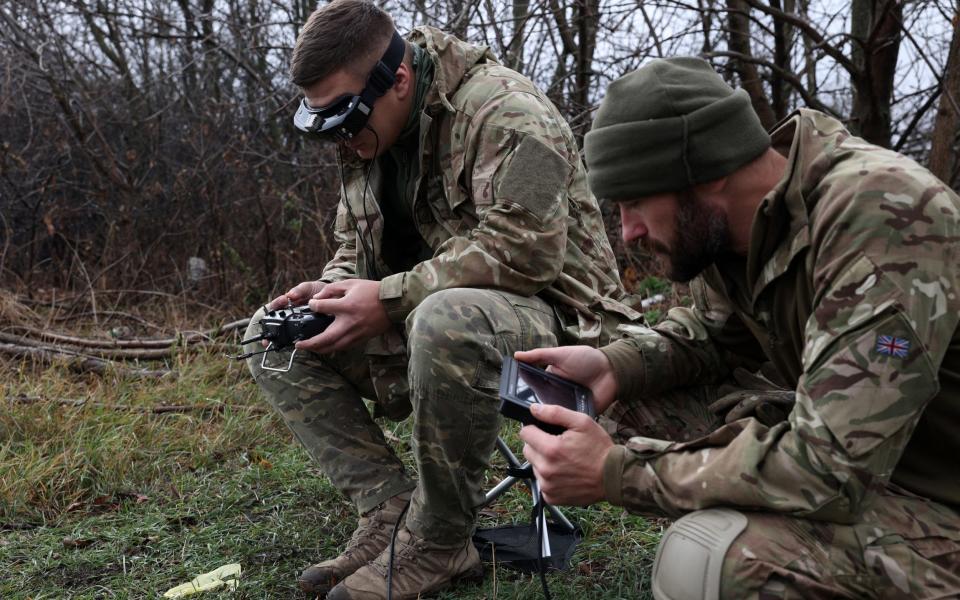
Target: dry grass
(109, 500)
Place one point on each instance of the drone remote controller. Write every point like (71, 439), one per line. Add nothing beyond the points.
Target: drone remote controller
(283, 328)
(286, 326)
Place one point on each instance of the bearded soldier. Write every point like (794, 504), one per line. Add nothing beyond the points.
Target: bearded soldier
(804, 414)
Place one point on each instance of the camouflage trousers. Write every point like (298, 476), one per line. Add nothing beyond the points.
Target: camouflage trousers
(445, 371)
(905, 546)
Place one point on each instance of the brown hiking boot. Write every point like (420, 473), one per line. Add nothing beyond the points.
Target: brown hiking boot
(368, 540)
(419, 568)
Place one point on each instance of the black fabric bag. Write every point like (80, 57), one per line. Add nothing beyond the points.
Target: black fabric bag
(516, 546)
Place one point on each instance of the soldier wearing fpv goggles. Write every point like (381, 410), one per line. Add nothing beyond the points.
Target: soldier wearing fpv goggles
(466, 232)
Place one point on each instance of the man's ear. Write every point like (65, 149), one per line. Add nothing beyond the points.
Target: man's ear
(711, 188)
(712, 191)
(403, 83)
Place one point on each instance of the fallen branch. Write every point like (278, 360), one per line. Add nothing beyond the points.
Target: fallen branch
(182, 338)
(22, 399)
(76, 361)
(218, 408)
(93, 342)
(157, 410)
(108, 314)
(102, 353)
(233, 325)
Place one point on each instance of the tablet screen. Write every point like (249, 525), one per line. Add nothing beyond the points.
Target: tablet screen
(533, 386)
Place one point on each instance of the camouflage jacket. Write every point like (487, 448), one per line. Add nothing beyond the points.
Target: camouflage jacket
(850, 289)
(501, 199)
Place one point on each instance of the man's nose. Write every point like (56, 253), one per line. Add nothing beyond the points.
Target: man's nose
(632, 227)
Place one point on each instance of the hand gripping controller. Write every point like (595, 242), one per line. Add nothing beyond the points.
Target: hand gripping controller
(283, 328)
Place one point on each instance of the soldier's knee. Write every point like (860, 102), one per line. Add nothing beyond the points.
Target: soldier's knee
(253, 328)
(449, 317)
(450, 335)
(691, 554)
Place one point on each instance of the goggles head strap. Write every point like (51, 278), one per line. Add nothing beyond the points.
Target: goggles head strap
(385, 71)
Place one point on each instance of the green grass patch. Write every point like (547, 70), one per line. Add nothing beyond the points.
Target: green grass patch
(113, 500)
(652, 285)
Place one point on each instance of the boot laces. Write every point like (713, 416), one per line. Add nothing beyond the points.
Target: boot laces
(364, 532)
(404, 553)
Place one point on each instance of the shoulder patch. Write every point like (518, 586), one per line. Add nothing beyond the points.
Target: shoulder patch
(892, 345)
(535, 178)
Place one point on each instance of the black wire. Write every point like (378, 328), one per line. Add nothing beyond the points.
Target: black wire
(369, 258)
(366, 186)
(540, 533)
(247, 355)
(393, 540)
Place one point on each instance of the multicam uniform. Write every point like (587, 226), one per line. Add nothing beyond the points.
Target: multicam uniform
(516, 257)
(850, 289)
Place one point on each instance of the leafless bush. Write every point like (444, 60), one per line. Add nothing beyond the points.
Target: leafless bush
(137, 134)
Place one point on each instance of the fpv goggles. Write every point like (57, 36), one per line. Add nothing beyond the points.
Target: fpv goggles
(346, 116)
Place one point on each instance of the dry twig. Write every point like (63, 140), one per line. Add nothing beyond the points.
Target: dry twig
(184, 337)
(156, 410)
(76, 360)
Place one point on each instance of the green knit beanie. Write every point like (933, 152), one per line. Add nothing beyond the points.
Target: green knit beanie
(671, 124)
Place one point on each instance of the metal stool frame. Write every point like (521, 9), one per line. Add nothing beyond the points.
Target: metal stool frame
(534, 487)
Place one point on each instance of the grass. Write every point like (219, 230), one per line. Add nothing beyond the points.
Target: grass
(109, 500)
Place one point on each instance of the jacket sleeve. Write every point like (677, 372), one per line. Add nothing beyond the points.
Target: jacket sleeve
(691, 346)
(517, 176)
(886, 308)
(343, 265)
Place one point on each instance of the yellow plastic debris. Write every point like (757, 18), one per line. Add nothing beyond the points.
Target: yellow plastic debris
(226, 575)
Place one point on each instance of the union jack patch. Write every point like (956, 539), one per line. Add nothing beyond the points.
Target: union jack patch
(893, 346)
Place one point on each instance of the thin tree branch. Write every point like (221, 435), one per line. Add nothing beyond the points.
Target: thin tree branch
(789, 77)
(810, 31)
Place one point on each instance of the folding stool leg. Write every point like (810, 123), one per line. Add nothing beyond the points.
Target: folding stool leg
(509, 481)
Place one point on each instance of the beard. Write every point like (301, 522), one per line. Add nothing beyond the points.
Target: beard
(702, 235)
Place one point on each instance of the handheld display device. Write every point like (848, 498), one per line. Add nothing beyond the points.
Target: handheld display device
(522, 385)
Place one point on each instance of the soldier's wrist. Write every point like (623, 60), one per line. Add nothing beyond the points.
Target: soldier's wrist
(393, 299)
(626, 363)
(613, 475)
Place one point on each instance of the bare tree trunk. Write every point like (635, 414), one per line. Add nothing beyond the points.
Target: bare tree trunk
(210, 57)
(588, 14)
(738, 20)
(705, 11)
(782, 32)
(302, 9)
(875, 28)
(460, 14)
(521, 12)
(809, 60)
(579, 40)
(943, 146)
